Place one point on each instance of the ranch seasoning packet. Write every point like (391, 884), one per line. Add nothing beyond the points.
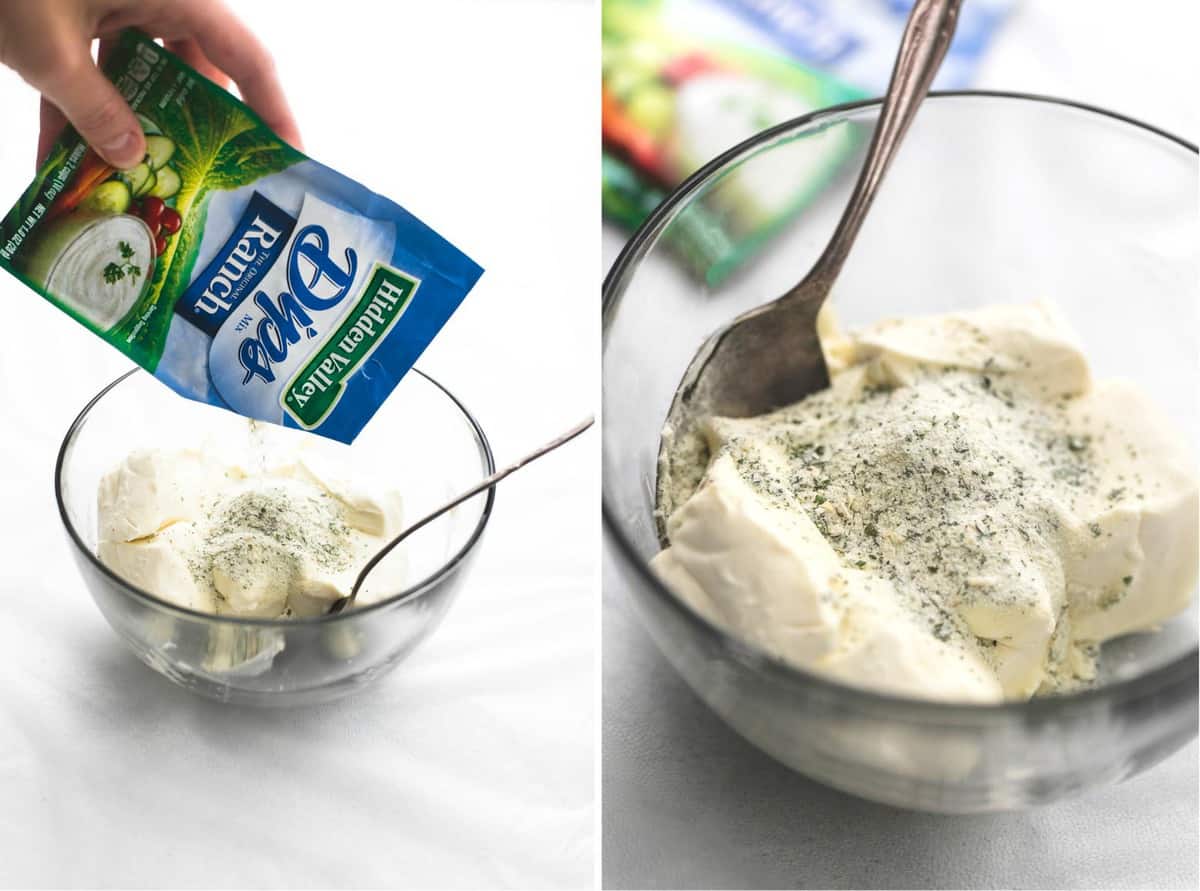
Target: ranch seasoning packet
(237, 270)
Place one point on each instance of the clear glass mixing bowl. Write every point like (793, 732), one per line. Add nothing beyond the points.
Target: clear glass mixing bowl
(422, 442)
(993, 198)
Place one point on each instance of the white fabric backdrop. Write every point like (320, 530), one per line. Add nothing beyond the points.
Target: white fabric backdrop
(472, 764)
(689, 804)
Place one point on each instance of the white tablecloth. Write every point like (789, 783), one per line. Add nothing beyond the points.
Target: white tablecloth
(472, 764)
(689, 804)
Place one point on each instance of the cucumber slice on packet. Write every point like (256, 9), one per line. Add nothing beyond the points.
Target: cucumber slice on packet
(109, 197)
(140, 179)
(146, 186)
(159, 150)
(167, 183)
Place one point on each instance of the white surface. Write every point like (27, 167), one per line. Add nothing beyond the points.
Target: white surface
(688, 803)
(472, 764)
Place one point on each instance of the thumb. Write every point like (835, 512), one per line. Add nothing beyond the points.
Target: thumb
(93, 105)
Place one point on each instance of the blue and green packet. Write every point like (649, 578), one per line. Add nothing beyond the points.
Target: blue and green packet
(681, 84)
(237, 270)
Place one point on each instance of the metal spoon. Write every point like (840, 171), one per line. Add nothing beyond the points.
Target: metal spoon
(770, 356)
(343, 602)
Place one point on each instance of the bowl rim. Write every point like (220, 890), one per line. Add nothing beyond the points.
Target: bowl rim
(1180, 669)
(413, 592)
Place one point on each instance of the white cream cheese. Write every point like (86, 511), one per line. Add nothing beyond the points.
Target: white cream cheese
(222, 534)
(964, 515)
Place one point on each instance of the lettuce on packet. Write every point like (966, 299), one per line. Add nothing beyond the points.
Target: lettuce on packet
(237, 270)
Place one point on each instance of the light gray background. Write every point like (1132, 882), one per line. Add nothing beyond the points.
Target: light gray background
(687, 803)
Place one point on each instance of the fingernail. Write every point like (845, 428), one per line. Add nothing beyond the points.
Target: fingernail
(121, 151)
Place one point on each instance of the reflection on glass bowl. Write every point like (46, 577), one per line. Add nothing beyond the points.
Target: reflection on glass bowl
(431, 448)
(994, 198)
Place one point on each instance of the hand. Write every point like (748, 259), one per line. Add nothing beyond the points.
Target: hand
(48, 42)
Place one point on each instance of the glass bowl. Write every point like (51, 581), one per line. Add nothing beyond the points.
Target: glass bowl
(422, 441)
(992, 198)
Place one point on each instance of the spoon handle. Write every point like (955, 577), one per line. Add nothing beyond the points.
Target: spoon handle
(927, 36)
(470, 493)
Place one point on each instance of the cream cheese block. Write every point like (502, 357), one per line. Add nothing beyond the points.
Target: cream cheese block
(239, 534)
(964, 515)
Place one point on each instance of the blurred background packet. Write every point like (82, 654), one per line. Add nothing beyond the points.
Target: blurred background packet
(684, 80)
